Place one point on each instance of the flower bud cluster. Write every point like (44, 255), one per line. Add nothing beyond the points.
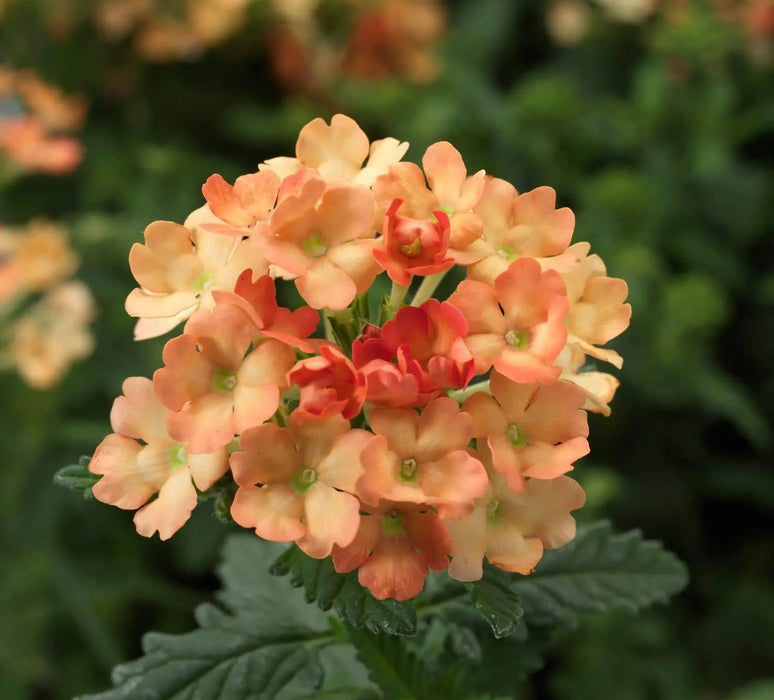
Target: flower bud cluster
(429, 436)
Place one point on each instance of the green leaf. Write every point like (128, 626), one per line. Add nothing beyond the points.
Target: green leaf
(497, 601)
(354, 603)
(401, 674)
(77, 477)
(265, 639)
(599, 571)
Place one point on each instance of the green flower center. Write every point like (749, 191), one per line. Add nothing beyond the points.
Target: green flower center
(517, 339)
(413, 249)
(516, 436)
(408, 471)
(303, 481)
(315, 246)
(177, 456)
(203, 281)
(493, 513)
(506, 253)
(224, 380)
(392, 523)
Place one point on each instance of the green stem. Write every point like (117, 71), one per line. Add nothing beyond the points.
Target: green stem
(428, 287)
(461, 394)
(397, 294)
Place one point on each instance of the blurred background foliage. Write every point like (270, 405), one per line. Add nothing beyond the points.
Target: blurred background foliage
(654, 121)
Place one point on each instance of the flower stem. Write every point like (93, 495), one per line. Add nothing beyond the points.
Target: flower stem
(461, 394)
(397, 294)
(428, 287)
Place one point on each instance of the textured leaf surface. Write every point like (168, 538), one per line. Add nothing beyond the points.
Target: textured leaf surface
(77, 477)
(267, 638)
(354, 603)
(599, 571)
(497, 601)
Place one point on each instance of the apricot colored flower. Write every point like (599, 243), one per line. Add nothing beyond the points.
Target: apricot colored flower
(329, 385)
(396, 546)
(421, 458)
(26, 141)
(531, 430)
(178, 267)
(337, 152)
(247, 201)
(140, 459)
(212, 390)
(512, 529)
(413, 247)
(598, 387)
(524, 225)
(325, 238)
(296, 483)
(258, 300)
(451, 191)
(517, 326)
(597, 311)
(416, 355)
(53, 334)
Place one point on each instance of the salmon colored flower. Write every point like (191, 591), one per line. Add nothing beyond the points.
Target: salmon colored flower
(416, 355)
(178, 267)
(337, 152)
(598, 387)
(258, 300)
(212, 390)
(512, 529)
(413, 247)
(325, 238)
(247, 201)
(421, 457)
(296, 483)
(524, 225)
(531, 430)
(26, 142)
(53, 334)
(451, 191)
(396, 546)
(140, 459)
(597, 311)
(329, 385)
(517, 326)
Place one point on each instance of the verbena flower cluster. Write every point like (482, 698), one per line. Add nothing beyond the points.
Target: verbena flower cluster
(429, 438)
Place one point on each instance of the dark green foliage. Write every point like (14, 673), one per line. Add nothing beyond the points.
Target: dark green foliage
(77, 477)
(356, 606)
(497, 601)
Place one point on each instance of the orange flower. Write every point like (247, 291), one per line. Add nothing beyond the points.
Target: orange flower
(258, 300)
(212, 389)
(329, 384)
(512, 529)
(517, 326)
(451, 191)
(325, 238)
(421, 458)
(521, 226)
(395, 547)
(413, 247)
(26, 142)
(337, 152)
(296, 483)
(532, 430)
(178, 267)
(413, 357)
(597, 313)
(132, 471)
(249, 200)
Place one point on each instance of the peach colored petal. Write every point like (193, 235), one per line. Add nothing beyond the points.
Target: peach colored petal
(253, 405)
(139, 413)
(455, 478)
(555, 414)
(478, 303)
(345, 214)
(488, 417)
(315, 439)
(274, 511)
(171, 510)
(141, 304)
(206, 423)
(269, 456)
(399, 427)
(469, 544)
(542, 460)
(187, 374)
(326, 286)
(206, 469)
(381, 467)
(525, 368)
(445, 172)
(146, 328)
(337, 150)
(441, 429)
(508, 549)
(341, 467)
(356, 260)
(395, 570)
(354, 554)
(331, 517)
(122, 483)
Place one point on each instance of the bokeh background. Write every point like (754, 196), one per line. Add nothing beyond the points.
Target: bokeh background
(653, 120)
